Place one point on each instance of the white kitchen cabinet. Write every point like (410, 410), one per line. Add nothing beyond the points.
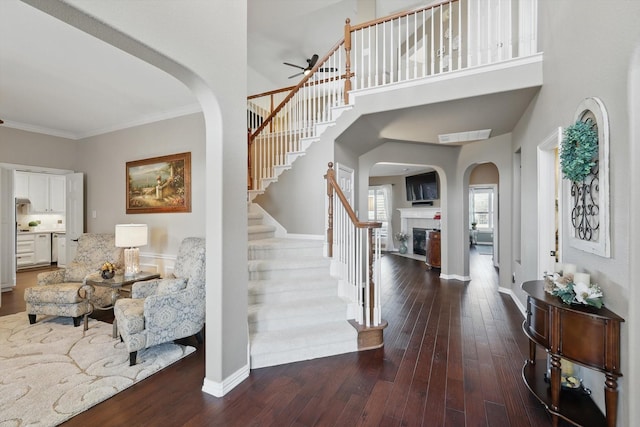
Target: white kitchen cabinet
(25, 250)
(46, 192)
(57, 195)
(42, 248)
(33, 249)
(21, 184)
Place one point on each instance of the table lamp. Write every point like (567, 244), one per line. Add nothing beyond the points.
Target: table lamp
(131, 236)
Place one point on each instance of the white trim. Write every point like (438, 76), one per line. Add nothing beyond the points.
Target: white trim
(450, 75)
(267, 219)
(219, 389)
(515, 299)
(455, 277)
(546, 200)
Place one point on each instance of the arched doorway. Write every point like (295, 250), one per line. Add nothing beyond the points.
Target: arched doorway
(482, 212)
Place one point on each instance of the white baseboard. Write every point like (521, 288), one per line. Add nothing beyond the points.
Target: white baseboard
(515, 299)
(455, 277)
(219, 389)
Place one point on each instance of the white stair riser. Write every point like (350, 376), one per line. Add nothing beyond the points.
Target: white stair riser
(282, 253)
(281, 297)
(258, 323)
(259, 236)
(300, 273)
(274, 357)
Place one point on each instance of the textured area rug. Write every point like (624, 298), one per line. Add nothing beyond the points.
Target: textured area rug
(51, 371)
(485, 249)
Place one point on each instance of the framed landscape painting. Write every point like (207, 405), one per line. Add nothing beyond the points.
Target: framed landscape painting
(159, 184)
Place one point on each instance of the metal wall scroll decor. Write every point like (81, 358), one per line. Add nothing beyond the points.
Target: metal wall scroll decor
(588, 199)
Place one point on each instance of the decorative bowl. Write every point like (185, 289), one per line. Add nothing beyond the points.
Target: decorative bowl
(106, 274)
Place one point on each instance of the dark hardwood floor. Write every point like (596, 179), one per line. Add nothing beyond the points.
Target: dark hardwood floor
(453, 356)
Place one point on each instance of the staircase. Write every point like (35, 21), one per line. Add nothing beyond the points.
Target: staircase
(295, 313)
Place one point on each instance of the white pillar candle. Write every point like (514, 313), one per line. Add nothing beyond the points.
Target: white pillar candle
(558, 268)
(582, 278)
(569, 269)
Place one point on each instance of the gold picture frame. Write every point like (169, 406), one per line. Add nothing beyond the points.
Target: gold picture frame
(159, 184)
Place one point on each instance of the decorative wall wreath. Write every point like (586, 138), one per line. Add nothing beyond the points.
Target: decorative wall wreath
(578, 150)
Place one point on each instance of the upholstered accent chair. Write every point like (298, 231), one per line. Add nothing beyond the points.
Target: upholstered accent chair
(58, 292)
(167, 309)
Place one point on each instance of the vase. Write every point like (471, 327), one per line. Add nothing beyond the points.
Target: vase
(403, 247)
(107, 274)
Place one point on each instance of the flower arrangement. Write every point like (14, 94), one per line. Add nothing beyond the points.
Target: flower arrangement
(108, 270)
(401, 236)
(570, 292)
(107, 266)
(579, 147)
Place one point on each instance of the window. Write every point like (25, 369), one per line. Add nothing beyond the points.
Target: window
(377, 211)
(481, 207)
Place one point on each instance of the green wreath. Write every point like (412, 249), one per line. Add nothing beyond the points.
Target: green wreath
(578, 150)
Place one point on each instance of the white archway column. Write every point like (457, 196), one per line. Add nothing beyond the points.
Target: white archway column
(200, 54)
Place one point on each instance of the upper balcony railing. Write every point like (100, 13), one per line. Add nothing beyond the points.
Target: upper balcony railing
(436, 39)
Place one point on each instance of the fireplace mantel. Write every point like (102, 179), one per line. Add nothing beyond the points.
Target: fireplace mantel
(426, 213)
(411, 218)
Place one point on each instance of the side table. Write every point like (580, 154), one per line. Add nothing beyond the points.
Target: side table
(117, 283)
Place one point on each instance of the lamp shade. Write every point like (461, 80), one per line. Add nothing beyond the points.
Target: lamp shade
(131, 235)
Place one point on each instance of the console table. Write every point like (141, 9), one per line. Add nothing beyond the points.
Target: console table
(582, 334)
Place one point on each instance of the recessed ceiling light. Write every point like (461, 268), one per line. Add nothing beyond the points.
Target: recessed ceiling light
(472, 135)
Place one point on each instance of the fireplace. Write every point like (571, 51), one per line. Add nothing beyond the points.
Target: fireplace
(420, 241)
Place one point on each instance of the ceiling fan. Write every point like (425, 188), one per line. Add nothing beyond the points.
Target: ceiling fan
(311, 62)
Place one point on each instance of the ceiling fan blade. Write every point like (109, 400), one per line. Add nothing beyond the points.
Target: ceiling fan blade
(296, 75)
(312, 61)
(293, 65)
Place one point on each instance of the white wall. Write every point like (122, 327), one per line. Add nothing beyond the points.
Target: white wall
(297, 199)
(36, 149)
(587, 48)
(104, 159)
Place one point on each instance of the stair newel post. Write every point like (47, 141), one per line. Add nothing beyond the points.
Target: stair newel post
(249, 186)
(347, 49)
(329, 177)
(372, 304)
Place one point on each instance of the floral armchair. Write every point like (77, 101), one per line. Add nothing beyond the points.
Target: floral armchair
(58, 292)
(167, 309)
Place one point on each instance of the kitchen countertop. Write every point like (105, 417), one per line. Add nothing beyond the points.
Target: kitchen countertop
(43, 230)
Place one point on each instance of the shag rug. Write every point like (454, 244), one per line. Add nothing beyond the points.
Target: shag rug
(51, 371)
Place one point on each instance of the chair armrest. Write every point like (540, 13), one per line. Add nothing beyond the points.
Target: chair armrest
(145, 289)
(50, 277)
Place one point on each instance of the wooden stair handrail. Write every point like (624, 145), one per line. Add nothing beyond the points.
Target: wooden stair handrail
(295, 89)
(346, 41)
(332, 185)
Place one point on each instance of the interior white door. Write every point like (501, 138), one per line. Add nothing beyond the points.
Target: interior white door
(7, 231)
(549, 204)
(74, 212)
(344, 177)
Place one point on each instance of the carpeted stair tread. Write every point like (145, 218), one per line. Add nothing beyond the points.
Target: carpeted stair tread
(278, 243)
(278, 248)
(296, 344)
(288, 285)
(316, 310)
(288, 264)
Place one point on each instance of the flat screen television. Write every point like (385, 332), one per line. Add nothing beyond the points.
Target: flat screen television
(423, 187)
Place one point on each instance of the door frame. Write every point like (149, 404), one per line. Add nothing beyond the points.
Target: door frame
(549, 185)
